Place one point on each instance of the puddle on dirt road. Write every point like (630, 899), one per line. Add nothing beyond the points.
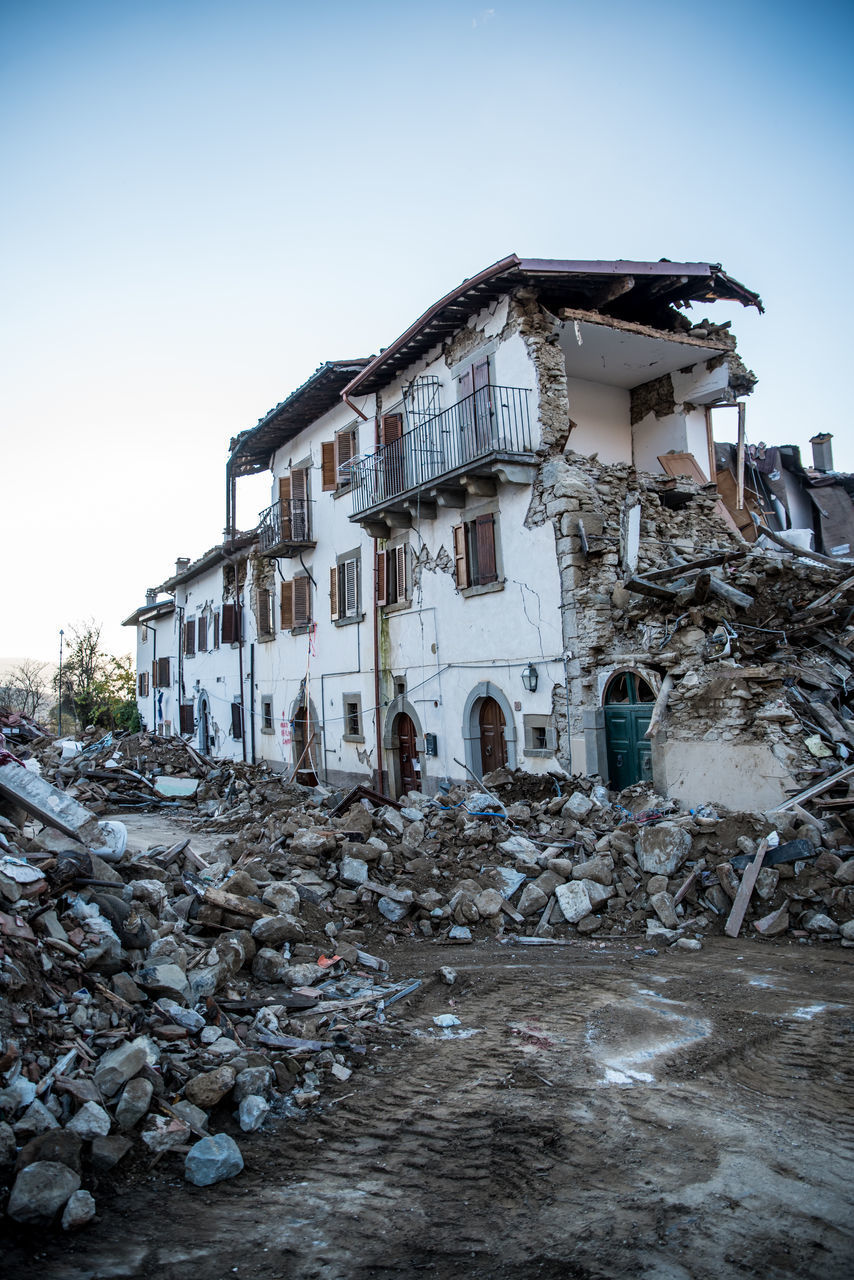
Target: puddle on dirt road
(638, 1030)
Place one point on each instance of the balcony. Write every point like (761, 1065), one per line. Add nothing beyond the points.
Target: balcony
(486, 435)
(285, 529)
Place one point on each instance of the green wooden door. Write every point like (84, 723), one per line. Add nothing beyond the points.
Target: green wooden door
(628, 711)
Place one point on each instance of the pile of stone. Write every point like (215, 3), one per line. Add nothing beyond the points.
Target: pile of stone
(164, 1002)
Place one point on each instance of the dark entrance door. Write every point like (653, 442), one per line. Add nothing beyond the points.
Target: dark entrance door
(628, 710)
(410, 774)
(304, 748)
(493, 747)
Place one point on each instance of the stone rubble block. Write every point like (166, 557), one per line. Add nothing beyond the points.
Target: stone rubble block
(212, 1160)
(41, 1190)
(573, 901)
(662, 848)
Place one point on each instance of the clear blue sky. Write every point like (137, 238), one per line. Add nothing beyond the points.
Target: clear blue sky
(203, 201)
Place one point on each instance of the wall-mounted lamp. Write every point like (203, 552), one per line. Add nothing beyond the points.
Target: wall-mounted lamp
(530, 677)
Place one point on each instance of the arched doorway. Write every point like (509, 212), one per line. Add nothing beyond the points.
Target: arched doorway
(628, 701)
(493, 744)
(204, 725)
(488, 722)
(305, 746)
(407, 746)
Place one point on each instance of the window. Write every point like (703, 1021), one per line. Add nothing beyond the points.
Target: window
(264, 613)
(236, 721)
(540, 735)
(335, 458)
(216, 630)
(475, 552)
(142, 684)
(266, 715)
(353, 718)
(189, 638)
(293, 500)
(345, 583)
(228, 629)
(203, 635)
(145, 630)
(160, 673)
(295, 604)
(392, 575)
(187, 720)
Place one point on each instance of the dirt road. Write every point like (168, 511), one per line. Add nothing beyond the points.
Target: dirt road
(598, 1112)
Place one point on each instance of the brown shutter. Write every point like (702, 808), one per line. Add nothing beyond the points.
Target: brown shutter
(286, 607)
(333, 592)
(460, 559)
(186, 719)
(228, 630)
(216, 631)
(203, 635)
(302, 602)
(154, 673)
(236, 720)
(485, 529)
(382, 595)
(163, 673)
(190, 637)
(400, 553)
(140, 684)
(391, 427)
(285, 506)
(345, 447)
(327, 465)
(465, 384)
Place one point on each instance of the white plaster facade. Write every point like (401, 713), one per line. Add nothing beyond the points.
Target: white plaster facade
(332, 695)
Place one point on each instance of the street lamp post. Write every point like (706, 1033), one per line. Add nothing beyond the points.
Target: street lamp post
(59, 712)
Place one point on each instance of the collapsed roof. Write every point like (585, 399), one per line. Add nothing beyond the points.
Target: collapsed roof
(643, 292)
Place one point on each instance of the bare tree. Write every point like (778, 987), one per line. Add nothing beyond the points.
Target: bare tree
(25, 688)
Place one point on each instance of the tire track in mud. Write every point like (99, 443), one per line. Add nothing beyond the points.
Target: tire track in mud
(509, 1152)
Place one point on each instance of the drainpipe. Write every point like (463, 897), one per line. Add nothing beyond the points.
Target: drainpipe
(238, 599)
(350, 405)
(566, 688)
(252, 700)
(180, 664)
(153, 729)
(378, 709)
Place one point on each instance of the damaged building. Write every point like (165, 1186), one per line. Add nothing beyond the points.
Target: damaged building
(511, 539)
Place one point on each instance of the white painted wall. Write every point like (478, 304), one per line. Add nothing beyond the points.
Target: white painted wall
(602, 415)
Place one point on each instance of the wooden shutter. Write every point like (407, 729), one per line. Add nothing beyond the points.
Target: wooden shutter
(186, 719)
(391, 427)
(485, 534)
(190, 637)
(333, 592)
(236, 720)
(302, 601)
(154, 673)
(163, 673)
(350, 592)
(460, 560)
(400, 566)
(345, 447)
(285, 506)
(382, 591)
(286, 606)
(228, 629)
(216, 631)
(327, 465)
(203, 635)
(465, 384)
(141, 684)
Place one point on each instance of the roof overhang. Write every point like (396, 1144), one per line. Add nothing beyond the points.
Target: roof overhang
(641, 292)
(150, 613)
(250, 452)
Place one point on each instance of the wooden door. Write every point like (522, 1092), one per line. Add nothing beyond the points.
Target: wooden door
(628, 711)
(304, 749)
(493, 746)
(410, 774)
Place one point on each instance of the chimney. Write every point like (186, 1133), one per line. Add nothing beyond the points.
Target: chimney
(182, 563)
(151, 595)
(822, 454)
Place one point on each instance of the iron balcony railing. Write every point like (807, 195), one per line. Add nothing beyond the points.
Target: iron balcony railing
(490, 420)
(285, 522)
